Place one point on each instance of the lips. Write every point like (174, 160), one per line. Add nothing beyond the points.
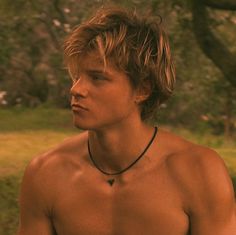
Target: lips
(76, 107)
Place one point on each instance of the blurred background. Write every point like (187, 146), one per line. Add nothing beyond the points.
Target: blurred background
(34, 99)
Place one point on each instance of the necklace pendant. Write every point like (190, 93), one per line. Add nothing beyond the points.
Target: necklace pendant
(111, 181)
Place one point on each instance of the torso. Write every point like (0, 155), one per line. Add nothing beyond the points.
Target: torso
(147, 199)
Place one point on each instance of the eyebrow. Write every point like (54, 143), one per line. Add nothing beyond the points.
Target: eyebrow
(94, 71)
(97, 71)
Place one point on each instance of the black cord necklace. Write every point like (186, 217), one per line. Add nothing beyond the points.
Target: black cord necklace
(111, 181)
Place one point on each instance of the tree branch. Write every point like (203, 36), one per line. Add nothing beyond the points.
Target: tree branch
(221, 4)
(211, 46)
(56, 4)
(50, 31)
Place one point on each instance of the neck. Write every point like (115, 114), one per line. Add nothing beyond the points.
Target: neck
(116, 148)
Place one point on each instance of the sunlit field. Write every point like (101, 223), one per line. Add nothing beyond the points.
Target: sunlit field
(27, 133)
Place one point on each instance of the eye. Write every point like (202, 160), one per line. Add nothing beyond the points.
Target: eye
(97, 77)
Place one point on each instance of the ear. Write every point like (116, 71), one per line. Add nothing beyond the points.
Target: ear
(143, 92)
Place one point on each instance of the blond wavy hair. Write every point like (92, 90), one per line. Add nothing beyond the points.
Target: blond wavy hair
(136, 45)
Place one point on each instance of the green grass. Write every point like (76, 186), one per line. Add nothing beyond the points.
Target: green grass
(20, 119)
(25, 133)
(229, 156)
(9, 188)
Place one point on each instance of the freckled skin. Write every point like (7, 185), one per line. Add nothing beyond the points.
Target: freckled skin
(176, 188)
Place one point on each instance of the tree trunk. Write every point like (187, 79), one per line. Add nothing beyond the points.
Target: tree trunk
(213, 48)
(228, 116)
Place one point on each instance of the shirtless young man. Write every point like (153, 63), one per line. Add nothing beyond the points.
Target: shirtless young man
(122, 176)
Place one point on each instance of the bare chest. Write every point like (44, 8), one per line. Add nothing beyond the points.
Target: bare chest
(145, 204)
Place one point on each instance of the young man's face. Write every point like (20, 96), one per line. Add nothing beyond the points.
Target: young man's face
(101, 97)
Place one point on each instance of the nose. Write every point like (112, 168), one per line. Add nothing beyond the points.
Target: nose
(79, 88)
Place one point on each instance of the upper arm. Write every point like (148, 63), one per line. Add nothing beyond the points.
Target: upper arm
(212, 209)
(34, 211)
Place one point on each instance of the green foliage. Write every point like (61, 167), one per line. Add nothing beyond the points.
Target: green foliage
(31, 60)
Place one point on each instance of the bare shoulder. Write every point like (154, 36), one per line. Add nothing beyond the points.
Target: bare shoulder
(42, 172)
(186, 155)
(200, 173)
(65, 151)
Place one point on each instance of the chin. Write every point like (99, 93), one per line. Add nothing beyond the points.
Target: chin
(96, 123)
(81, 122)
(84, 124)
(81, 126)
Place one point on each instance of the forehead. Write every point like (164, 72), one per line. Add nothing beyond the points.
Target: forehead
(89, 61)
